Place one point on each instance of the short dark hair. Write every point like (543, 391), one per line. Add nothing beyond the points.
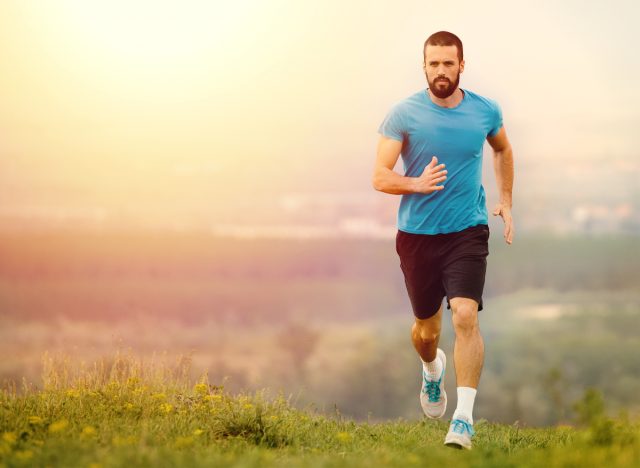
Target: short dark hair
(443, 38)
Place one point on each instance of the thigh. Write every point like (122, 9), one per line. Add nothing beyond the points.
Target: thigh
(465, 264)
(422, 272)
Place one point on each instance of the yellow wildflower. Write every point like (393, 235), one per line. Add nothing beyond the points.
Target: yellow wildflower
(343, 436)
(88, 431)
(201, 389)
(166, 408)
(9, 437)
(58, 426)
(35, 420)
(73, 393)
(198, 432)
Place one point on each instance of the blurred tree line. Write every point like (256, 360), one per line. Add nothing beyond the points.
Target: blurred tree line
(194, 276)
(534, 374)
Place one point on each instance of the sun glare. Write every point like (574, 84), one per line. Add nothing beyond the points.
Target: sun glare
(130, 41)
(155, 30)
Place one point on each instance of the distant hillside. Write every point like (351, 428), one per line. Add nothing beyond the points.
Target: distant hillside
(194, 275)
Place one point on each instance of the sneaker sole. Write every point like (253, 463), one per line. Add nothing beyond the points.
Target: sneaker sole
(456, 442)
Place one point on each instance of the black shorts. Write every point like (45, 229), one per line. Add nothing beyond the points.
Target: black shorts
(439, 265)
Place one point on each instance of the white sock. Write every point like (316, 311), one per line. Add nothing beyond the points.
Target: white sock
(466, 397)
(433, 368)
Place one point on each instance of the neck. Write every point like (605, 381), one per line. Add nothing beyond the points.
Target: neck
(451, 101)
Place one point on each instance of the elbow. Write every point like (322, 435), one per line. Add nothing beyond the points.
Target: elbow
(504, 151)
(376, 182)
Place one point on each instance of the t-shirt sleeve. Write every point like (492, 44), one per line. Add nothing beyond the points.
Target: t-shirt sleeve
(496, 123)
(393, 125)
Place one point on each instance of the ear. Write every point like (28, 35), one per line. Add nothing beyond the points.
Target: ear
(461, 66)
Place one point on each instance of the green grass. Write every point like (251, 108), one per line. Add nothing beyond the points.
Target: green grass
(130, 414)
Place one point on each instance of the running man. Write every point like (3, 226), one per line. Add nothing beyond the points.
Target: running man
(443, 231)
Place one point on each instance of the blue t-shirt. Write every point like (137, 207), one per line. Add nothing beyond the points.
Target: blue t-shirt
(456, 137)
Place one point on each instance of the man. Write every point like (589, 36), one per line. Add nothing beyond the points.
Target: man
(443, 232)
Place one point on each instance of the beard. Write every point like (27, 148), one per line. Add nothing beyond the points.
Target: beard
(441, 91)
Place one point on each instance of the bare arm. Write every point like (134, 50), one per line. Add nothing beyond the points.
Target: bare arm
(385, 179)
(503, 167)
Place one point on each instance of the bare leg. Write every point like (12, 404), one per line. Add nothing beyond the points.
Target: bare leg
(425, 335)
(468, 352)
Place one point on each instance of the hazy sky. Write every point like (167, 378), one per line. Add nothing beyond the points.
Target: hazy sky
(177, 104)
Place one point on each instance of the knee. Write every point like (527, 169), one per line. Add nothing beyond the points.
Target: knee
(426, 333)
(465, 318)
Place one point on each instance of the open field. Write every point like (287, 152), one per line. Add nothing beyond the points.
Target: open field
(131, 414)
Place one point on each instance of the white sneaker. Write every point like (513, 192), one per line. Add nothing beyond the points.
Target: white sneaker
(433, 398)
(460, 433)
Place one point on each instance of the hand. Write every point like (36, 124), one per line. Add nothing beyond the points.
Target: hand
(505, 212)
(430, 177)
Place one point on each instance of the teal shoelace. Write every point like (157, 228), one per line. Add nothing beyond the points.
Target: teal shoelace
(432, 389)
(461, 426)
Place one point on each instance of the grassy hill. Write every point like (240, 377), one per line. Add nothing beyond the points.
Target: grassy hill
(132, 415)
